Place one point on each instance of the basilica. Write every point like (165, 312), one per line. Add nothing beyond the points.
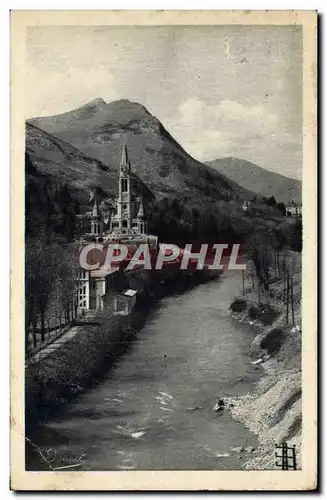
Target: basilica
(124, 222)
(124, 219)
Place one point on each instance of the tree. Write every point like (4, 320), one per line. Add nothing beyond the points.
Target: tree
(281, 207)
(271, 201)
(38, 283)
(46, 267)
(176, 208)
(66, 280)
(296, 236)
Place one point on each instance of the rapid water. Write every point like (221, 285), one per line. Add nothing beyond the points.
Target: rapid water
(154, 408)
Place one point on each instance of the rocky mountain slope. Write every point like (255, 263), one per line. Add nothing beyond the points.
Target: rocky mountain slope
(58, 160)
(98, 130)
(259, 180)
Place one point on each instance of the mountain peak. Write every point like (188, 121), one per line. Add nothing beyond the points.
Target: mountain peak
(129, 106)
(257, 179)
(96, 102)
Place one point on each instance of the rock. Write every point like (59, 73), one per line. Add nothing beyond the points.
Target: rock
(220, 405)
(257, 362)
(137, 435)
(231, 405)
(249, 449)
(237, 449)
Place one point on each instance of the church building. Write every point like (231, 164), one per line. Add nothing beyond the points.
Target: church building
(126, 224)
(129, 216)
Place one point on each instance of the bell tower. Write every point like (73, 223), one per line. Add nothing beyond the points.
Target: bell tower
(141, 225)
(96, 219)
(124, 202)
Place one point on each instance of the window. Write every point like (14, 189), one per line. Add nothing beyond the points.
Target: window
(124, 206)
(124, 185)
(124, 223)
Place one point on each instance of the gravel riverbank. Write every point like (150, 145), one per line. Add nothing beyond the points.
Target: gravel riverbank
(273, 411)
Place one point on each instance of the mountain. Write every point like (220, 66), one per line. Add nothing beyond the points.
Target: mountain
(59, 180)
(259, 180)
(56, 159)
(98, 130)
(185, 200)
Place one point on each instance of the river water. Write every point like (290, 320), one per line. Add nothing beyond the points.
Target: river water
(154, 409)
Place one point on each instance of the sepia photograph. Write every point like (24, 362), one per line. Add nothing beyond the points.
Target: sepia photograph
(163, 180)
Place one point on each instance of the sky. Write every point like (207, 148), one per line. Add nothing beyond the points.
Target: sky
(219, 90)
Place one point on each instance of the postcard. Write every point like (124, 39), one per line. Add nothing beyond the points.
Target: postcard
(163, 250)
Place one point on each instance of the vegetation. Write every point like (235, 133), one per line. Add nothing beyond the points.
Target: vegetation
(238, 305)
(50, 277)
(50, 207)
(273, 341)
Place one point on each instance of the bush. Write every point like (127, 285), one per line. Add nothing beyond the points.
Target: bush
(254, 312)
(273, 341)
(267, 314)
(238, 305)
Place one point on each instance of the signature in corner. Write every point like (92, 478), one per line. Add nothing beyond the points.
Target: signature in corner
(62, 462)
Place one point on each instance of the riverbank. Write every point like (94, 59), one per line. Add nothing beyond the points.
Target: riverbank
(273, 411)
(84, 359)
(153, 410)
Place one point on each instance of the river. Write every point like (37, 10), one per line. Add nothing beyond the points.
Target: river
(153, 410)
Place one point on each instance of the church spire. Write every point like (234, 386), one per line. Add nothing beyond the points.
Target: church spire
(95, 211)
(140, 213)
(124, 162)
(96, 219)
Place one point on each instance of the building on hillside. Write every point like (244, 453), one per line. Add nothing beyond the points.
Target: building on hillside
(127, 225)
(293, 209)
(124, 302)
(92, 286)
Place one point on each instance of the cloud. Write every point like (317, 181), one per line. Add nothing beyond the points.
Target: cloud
(231, 128)
(208, 131)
